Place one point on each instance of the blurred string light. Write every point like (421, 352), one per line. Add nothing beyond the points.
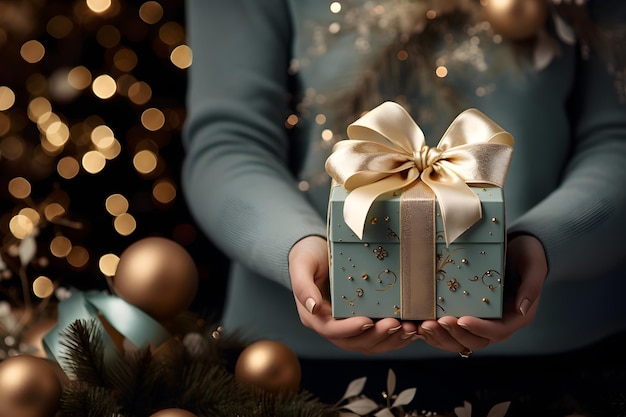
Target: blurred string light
(73, 62)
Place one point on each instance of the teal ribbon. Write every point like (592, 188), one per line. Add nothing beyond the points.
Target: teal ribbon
(130, 321)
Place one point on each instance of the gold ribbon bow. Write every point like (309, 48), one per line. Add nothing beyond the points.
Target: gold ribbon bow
(387, 151)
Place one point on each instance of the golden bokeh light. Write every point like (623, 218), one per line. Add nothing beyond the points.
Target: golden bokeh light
(19, 187)
(139, 93)
(57, 133)
(79, 77)
(98, 6)
(164, 191)
(7, 98)
(52, 211)
(43, 287)
(327, 135)
(68, 167)
(60, 246)
(104, 86)
(125, 59)
(171, 33)
(335, 7)
(59, 26)
(102, 136)
(116, 204)
(78, 257)
(38, 108)
(108, 36)
(21, 226)
(112, 151)
(181, 56)
(32, 51)
(145, 161)
(152, 119)
(12, 148)
(93, 162)
(124, 82)
(125, 224)
(31, 213)
(151, 12)
(108, 264)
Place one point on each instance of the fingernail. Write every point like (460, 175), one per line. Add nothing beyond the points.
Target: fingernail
(524, 306)
(428, 330)
(367, 326)
(310, 304)
(408, 335)
(445, 325)
(394, 329)
(464, 326)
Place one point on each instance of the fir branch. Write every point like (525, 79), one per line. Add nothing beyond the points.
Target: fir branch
(287, 404)
(210, 388)
(82, 400)
(83, 353)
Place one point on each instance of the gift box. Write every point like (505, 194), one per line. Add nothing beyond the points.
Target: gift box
(416, 232)
(366, 274)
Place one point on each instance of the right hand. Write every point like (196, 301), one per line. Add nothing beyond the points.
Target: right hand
(308, 268)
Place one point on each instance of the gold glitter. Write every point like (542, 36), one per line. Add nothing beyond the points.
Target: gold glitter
(364, 277)
(486, 300)
(374, 220)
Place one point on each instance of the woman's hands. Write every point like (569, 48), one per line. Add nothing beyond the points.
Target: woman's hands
(308, 268)
(526, 256)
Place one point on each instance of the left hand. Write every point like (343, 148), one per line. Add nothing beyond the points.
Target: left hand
(526, 256)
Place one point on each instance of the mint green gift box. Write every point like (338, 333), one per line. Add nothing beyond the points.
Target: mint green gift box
(366, 274)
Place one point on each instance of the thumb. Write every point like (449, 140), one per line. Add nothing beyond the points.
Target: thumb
(529, 260)
(308, 268)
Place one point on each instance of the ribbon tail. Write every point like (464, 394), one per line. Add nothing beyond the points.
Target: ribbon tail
(359, 200)
(130, 321)
(460, 206)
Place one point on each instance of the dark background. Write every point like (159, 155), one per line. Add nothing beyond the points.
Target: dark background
(85, 194)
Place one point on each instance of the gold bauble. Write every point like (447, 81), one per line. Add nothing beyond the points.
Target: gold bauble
(158, 276)
(29, 387)
(269, 365)
(516, 20)
(173, 412)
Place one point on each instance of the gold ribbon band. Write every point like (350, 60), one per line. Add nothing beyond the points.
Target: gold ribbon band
(417, 253)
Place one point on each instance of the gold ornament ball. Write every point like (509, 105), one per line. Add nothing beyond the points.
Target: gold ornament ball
(516, 20)
(158, 276)
(270, 365)
(29, 387)
(173, 412)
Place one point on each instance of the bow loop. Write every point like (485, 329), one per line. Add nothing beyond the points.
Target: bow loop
(387, 151)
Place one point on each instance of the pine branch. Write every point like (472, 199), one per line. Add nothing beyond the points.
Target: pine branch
(82, 400)
(84, 352)
(210, 388)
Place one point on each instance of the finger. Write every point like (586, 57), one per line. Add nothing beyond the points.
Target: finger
(386, 335)
(462, 335)
(303, 285)
(437, 336)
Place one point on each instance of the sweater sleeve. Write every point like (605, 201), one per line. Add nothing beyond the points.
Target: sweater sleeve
(236, 175)
(582, 224)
